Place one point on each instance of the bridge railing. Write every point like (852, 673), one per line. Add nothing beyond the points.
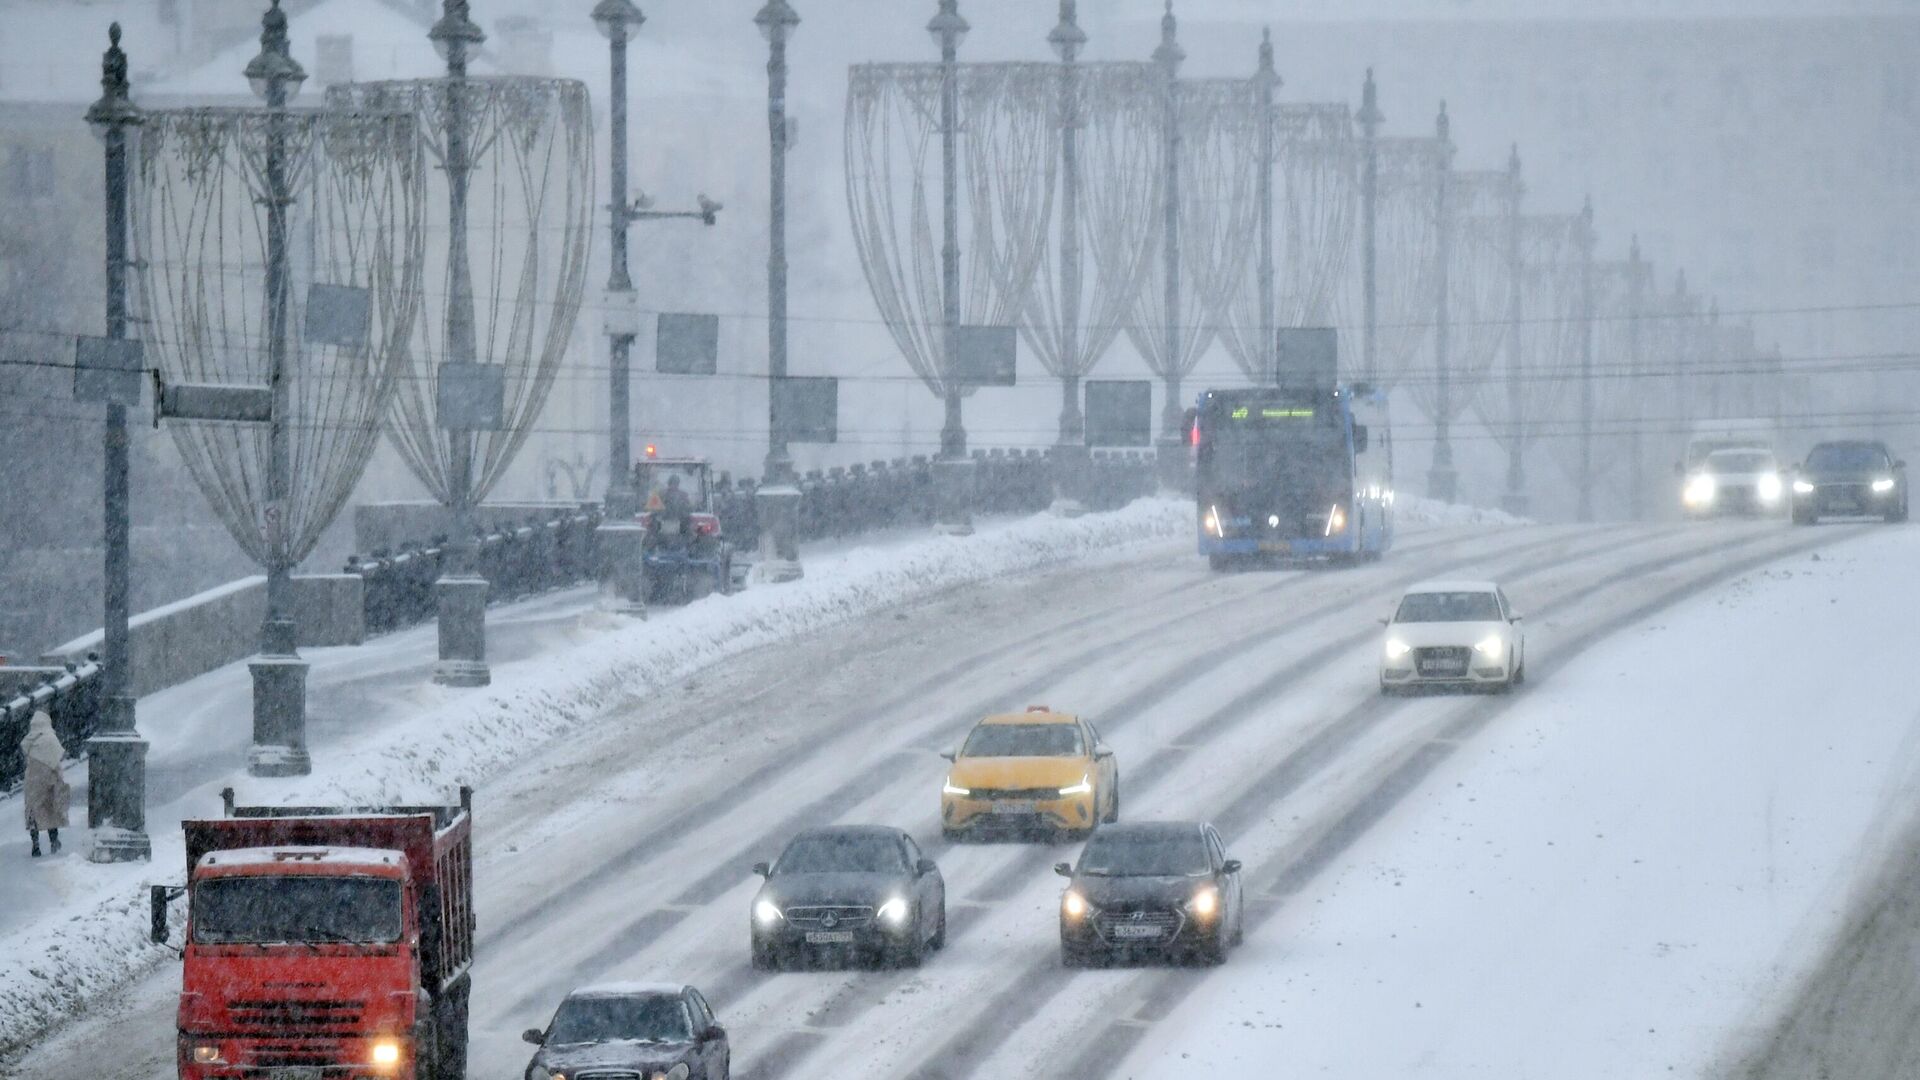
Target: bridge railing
(69, 694)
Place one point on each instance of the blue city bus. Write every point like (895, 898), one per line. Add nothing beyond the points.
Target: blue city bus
(1296, 473)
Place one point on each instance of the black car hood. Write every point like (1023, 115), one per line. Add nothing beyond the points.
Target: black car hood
(1123, 892)
(787, 890)
(571, 1057)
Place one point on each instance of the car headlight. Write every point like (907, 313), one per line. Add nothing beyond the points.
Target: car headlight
(678, 1072)
(207, 1054)
(766, 913)
(1085, 785)
(1073, 905)
(1205, 902)
(1700, 490)
(1769, 487)
(1802, 487)
(950, 788)
(893, 912)
(1212, 523)
(1490, 645)
(384, 1053)
(1397, 648)
(1883, 485)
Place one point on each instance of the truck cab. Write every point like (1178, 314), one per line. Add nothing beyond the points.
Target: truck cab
(324, 944)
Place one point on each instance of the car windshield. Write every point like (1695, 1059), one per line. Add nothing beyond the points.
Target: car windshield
(290, 908)
(842, 854)
(1448, 607)
(1145, 854)
(1846, 457)
(1024, 740)
(1739, 461)
(640, 1018)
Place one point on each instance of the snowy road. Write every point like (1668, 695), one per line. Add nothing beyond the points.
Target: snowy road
(1246, 699)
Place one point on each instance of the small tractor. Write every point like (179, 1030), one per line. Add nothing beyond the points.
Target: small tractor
(685, 554)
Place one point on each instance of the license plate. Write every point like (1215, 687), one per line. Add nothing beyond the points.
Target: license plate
(295, 1072)
(1126, 931)
(829, 937)
(1015, 806)
(1277, 547)
(1441, 667)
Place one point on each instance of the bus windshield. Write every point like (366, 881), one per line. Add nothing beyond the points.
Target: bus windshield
(1291, 447)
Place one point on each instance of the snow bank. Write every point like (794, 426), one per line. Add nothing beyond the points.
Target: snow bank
(1419, 510)
(69, 960)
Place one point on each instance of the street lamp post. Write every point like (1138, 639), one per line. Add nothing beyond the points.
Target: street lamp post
(1586, 240)
(620, 536)
(1267, 80)
(279, 675)
(1442, 479)
(1370, 119)
(1515, 500)
(461, 593)
(954, 470)
(1637, 278)
(1070, 454)
(116, 754)
(778, 497)
(1171, 453)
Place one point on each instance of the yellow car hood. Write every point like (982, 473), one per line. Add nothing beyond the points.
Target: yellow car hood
(1018, 772)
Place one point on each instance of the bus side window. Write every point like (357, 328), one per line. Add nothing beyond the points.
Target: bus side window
(1359, 438)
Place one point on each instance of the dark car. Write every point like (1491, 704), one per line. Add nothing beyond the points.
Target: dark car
(1851, 478)
(849, 891)
(1162, 887)
(631, 1029)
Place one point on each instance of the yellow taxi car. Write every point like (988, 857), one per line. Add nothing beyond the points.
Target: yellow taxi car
(1038, 770)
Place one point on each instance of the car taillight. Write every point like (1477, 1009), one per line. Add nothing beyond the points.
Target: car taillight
(706, 526)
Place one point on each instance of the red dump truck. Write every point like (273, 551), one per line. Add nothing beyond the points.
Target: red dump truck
(326, 943)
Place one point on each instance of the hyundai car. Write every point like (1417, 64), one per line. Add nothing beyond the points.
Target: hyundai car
(1453, 634)
(1036, 771)
(860, 892)
(659, 1031)
(1853, 478)
(1744, 481)
(1161, 888)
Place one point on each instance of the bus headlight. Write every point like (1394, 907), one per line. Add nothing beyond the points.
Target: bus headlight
(1700, 491)
(1212, 523)
(1336, 520)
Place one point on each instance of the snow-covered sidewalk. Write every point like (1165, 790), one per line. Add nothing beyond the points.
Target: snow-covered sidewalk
(379, 730)
(1620, 878)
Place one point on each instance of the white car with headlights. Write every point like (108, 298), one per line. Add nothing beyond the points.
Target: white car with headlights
(1736, 481)
(1453, 634)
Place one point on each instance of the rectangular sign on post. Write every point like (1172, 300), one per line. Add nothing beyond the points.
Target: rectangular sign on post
(1119, 412)
(108, 370)
(687, 345)
(339, 315)
(216, 403)
(807, 409)
(985, 355)
(1308, 358)
(471, 397)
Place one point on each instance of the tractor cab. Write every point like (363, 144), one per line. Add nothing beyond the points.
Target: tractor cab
(685, 552)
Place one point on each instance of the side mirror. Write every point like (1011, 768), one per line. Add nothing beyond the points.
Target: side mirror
(949, 754)
(1515, 617)
(763, 869)
(1063, 869)
(924, 867)
(1386, 622)
(1231, 866)
(714, 1033)
(534, 1036)
(1103, 751)
(157, 902)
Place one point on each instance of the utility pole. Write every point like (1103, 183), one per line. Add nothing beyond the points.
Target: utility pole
(1442, 479)
(954, 470)
(279, 675)
(1171, 454)
(1266, 80)
(1070, 457)
(116, 754)
(1370, 119)
(778, 498)
(1636, 370)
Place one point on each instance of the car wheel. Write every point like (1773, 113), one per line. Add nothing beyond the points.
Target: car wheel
(1113, 808)
(1520, 674)
(1072, 958)
(764, 958)
(951, 836)
(1214, 953)
(1219, 564)
(1803, 517)
(939, 939)
(909, 956)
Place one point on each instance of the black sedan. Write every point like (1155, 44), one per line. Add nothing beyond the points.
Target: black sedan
(1853, 478)
(1163, 887)
(631, 1029)
(849, 891)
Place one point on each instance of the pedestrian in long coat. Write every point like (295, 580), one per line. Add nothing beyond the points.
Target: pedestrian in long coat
(46, 790)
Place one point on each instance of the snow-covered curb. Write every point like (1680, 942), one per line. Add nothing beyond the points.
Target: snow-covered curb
(1419, 510)
(56, 967)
